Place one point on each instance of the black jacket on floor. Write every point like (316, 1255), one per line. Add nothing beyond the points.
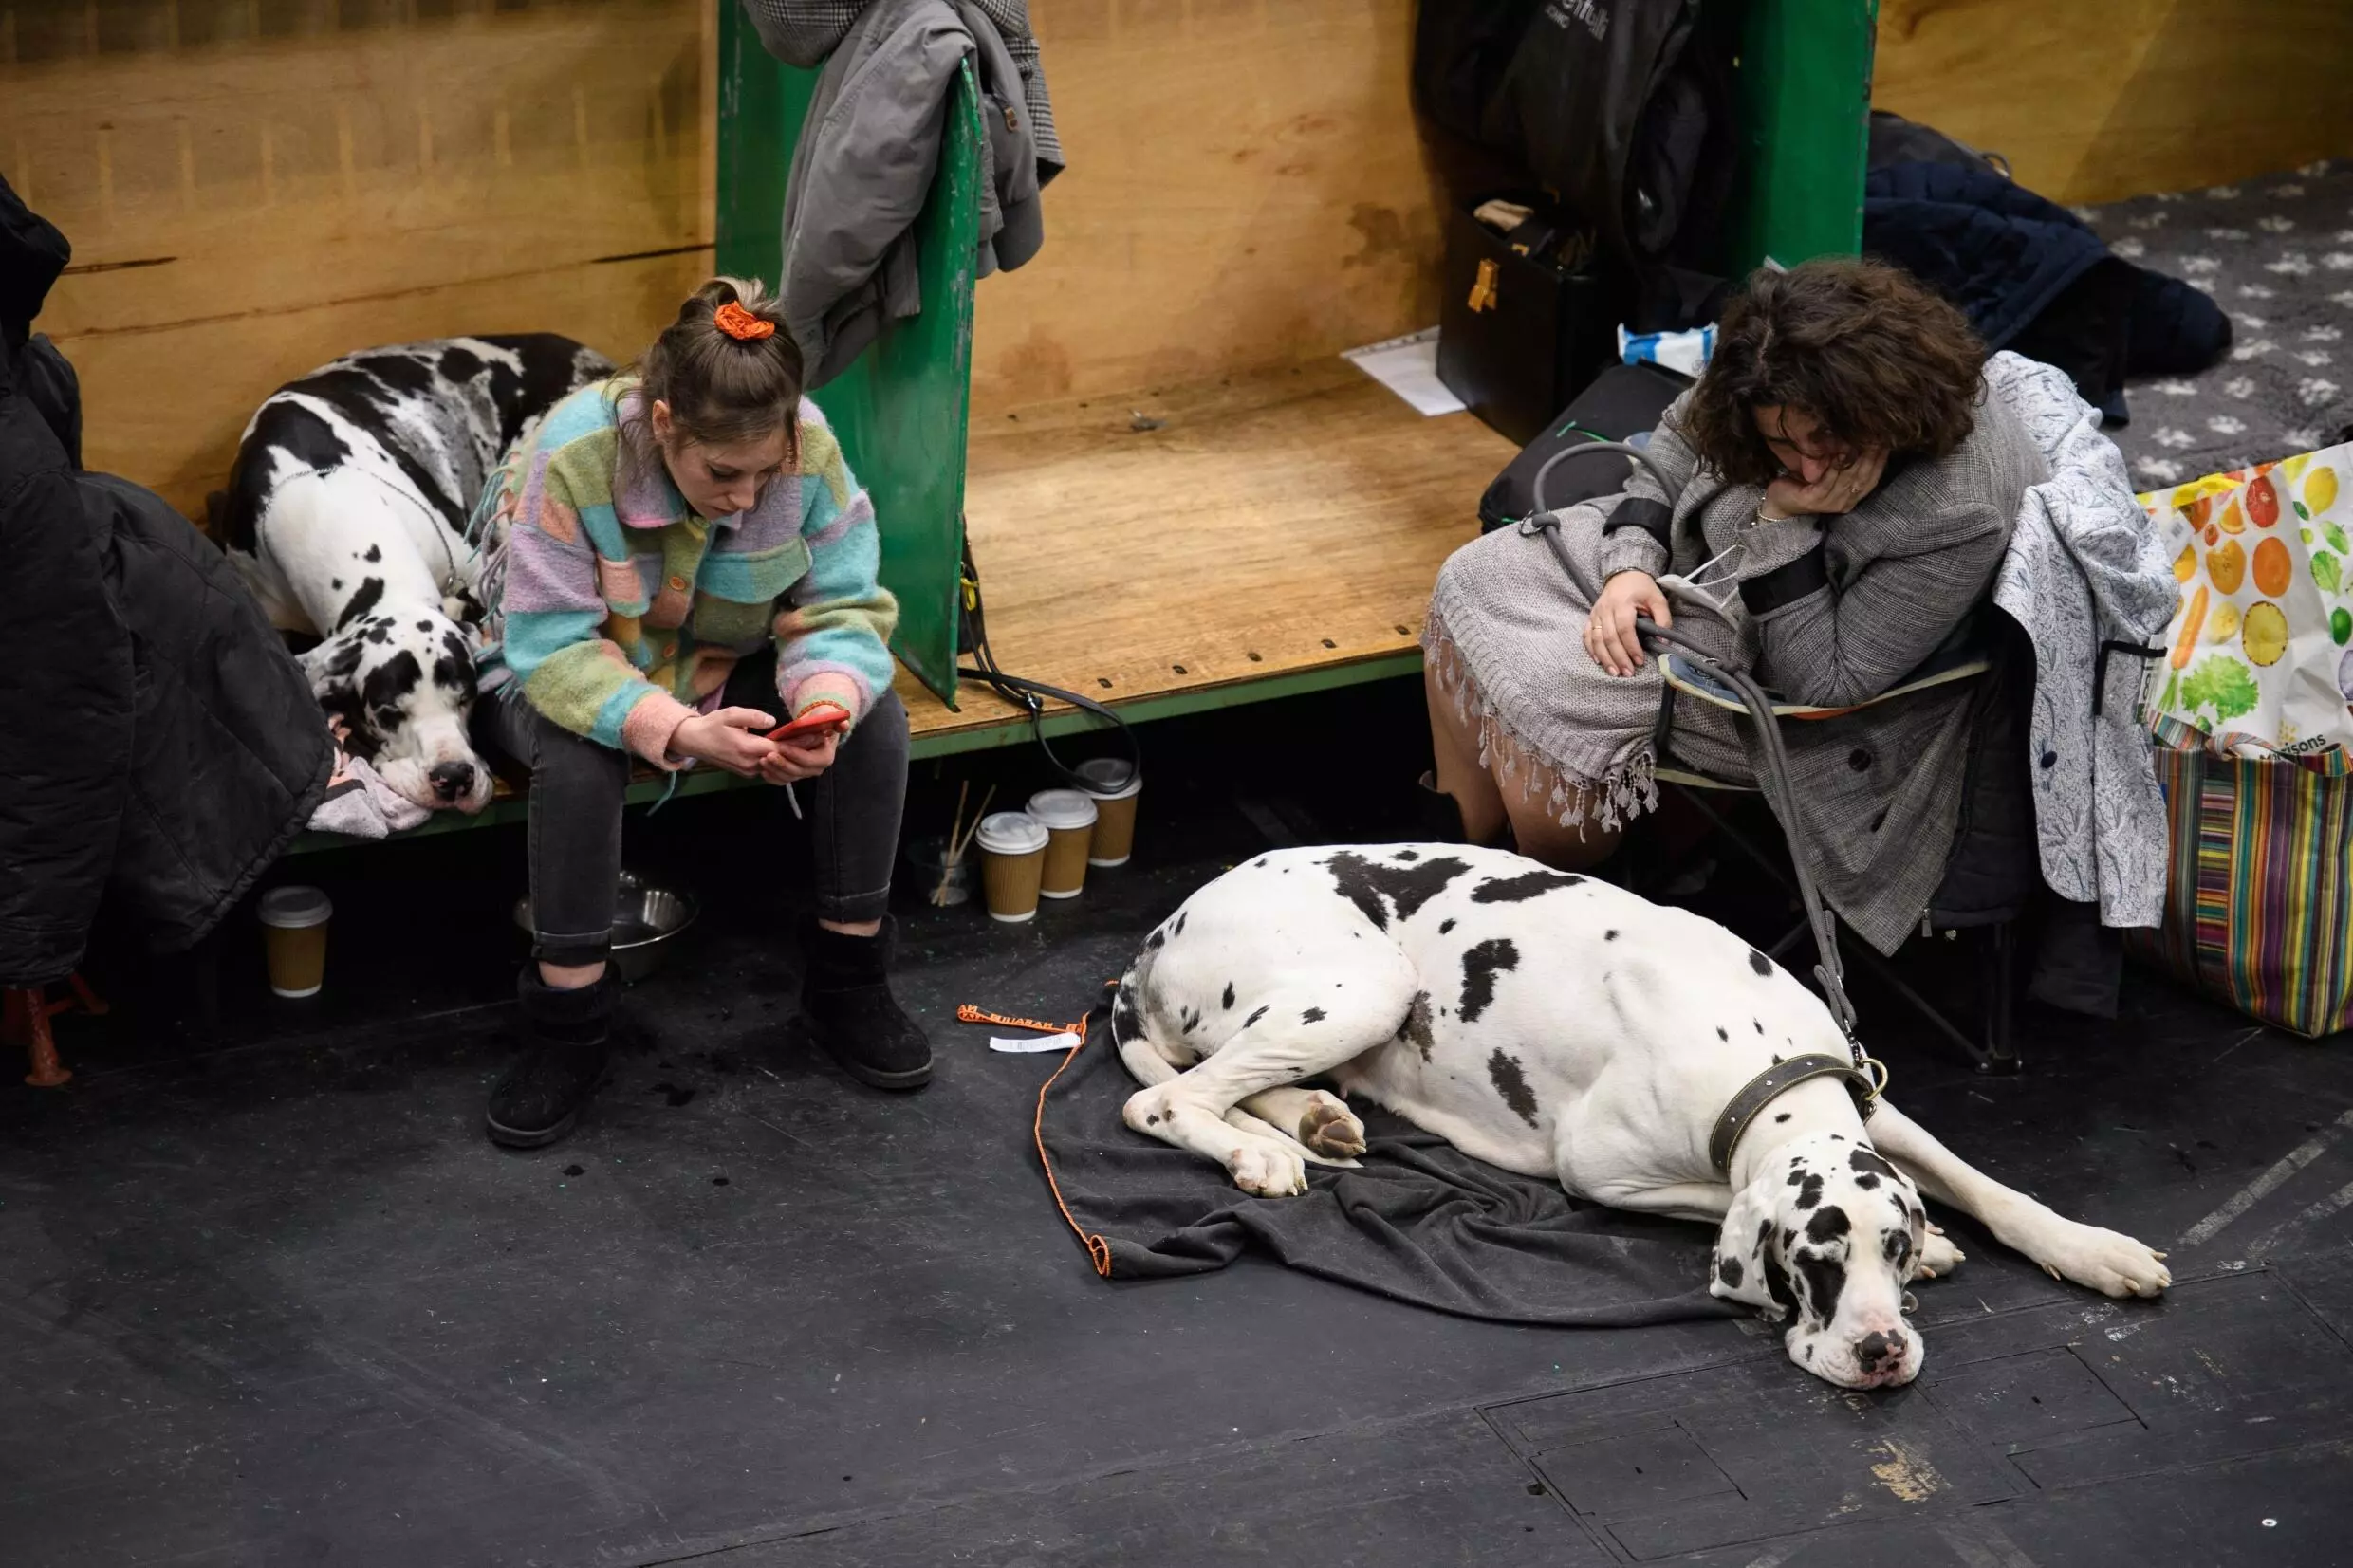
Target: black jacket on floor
(158, 746)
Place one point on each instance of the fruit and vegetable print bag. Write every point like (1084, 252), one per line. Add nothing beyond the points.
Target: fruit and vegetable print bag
(2248, 709)
(2258, 655)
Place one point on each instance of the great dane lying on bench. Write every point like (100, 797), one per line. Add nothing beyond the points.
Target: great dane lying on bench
(346, 513)
(1556, 1026)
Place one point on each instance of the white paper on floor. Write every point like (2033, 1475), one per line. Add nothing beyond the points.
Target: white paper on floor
(1030, 1044)
(1409, 367)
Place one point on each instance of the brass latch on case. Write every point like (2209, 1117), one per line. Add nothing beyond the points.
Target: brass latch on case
(1483, 287)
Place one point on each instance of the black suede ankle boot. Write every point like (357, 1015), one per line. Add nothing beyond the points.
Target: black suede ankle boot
(566, 1035)
(1441, 814)
(849, 1002)
(1441, 817)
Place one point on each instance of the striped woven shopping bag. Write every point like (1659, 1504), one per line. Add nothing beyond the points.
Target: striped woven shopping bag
(2259, 887)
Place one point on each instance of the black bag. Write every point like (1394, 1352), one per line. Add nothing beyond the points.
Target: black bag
(1623, 401)
(1625, 107)
(1462, 51)
(1518, 333)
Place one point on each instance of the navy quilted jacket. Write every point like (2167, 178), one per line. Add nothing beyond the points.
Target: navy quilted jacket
(2005, 255)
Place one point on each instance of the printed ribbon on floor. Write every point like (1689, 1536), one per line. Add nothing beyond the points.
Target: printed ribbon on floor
(1056, 1037)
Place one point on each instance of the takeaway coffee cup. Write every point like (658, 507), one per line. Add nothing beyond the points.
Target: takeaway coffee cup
(1069, 818)
(1112, 783)
(294, 939)
(1012, 859)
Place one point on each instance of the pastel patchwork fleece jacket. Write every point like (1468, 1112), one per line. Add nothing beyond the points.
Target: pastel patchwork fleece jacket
(621, 612)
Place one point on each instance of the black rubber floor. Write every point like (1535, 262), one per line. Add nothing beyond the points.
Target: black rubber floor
(268, 1296)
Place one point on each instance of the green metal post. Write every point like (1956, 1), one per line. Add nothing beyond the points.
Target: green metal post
(1805, 120)
(902, 411)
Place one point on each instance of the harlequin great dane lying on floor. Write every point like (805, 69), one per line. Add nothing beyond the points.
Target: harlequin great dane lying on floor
(1556, 1026)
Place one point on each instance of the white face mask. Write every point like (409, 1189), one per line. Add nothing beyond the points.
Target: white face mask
(1713, 584)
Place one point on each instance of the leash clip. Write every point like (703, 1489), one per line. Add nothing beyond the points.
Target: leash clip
(1871, 1074)
(1874, 1072)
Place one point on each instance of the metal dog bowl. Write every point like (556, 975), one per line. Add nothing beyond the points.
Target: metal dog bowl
(647, 917)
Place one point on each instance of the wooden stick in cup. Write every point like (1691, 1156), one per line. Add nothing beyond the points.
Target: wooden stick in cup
(973, 831)
(948, 861)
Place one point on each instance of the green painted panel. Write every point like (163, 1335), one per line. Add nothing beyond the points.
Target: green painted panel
(1073, 721)
(1804, 113)
(902, 410)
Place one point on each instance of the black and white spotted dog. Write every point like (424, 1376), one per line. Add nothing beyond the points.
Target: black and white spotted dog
(347, 513)
(1556, 1026)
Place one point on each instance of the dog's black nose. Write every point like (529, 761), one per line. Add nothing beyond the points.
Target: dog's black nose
(450, 780)
(1876, 1348)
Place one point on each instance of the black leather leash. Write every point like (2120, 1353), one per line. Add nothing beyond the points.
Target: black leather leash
(1865, 1074)
(1029, 695)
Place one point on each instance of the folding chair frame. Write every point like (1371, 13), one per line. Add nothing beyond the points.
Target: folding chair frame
(1996, 1053)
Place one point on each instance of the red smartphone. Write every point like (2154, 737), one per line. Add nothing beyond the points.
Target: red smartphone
(825, 715)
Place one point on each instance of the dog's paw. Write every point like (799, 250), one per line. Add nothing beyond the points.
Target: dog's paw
(1327, 1127)
(1939, 1257)
(2106, 1262)
(1264, 1171)
(1145, 1110)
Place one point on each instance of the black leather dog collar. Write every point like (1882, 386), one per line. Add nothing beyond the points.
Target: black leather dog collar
(1772, 1084)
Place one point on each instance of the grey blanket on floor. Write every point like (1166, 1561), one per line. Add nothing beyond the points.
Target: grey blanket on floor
(1420, 1221)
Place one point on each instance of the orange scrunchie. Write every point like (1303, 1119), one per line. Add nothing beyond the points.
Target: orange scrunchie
(742, 325)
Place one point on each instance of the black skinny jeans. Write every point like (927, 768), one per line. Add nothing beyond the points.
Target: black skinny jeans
(577, 785)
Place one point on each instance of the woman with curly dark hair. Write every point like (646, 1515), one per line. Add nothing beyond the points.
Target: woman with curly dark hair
(1839, 491)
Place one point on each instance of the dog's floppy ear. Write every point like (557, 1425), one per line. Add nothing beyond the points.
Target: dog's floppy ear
(332, 667)
(1749, 1268)
(332, 664)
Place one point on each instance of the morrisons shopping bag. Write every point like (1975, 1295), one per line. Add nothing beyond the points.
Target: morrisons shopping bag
(2257, 655)
(2258, 900)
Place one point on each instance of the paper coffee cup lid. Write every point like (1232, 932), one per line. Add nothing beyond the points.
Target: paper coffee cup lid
(1010, 832)
(293, 907)
(1063, 809)
(1110, 778)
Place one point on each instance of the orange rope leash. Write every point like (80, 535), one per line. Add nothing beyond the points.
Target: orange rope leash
(1096, 1248)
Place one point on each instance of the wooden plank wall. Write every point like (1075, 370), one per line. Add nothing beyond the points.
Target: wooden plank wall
(253, 187)
(1247, 189)
(2094, 99)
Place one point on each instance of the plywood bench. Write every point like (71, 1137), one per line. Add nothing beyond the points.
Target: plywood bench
(1318, 507)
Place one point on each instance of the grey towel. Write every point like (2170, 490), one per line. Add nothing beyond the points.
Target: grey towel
(1421, 1222)
(1505, 642)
